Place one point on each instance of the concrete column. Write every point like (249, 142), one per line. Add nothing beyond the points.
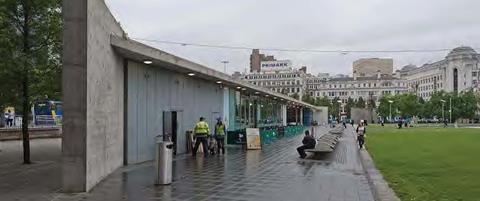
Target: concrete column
(301, 116)
(284, 115)
(93, 95)
(259, 108)
(74, 85)
(226, 106)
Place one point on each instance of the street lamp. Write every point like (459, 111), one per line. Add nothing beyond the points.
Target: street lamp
(390, 101)
(339, 109)
(225, 66)
(443, 110)
(450, 110)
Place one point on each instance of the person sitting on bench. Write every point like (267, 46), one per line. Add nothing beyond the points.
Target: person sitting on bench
(308, 143)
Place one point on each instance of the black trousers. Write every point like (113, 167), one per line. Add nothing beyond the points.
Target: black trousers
(361, 140)
(200, 139)
(220, 144)
(301, 150)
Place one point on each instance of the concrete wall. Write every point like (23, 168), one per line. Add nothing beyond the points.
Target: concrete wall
(104, 95)
(321, 116)
(362, 113)
(92, 94)
(153, 90)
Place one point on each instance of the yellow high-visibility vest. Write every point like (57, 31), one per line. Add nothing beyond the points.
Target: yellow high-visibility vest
(220, 129)
(201, 128)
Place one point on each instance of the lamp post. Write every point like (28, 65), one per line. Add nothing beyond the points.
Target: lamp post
(390, 101)
(339, 110)
(450, 110)
(443, 110)
(225, 66)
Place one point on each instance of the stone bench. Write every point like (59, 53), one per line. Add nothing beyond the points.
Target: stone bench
(325, 144)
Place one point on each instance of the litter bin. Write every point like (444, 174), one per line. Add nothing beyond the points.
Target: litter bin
(163, 163)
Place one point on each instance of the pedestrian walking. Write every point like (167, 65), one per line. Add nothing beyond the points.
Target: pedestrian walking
(220, 131)
(445, 123)
(361, 130)
(201, 132)
(10, 118)
(344, 124)
(308, 143)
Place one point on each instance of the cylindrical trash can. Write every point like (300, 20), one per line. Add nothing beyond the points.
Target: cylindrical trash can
(163, 162)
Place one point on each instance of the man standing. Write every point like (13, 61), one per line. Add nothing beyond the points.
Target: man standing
(308, 143)
(220, 132)
(201, 132)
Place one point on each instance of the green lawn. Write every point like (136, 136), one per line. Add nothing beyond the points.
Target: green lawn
(428, 163)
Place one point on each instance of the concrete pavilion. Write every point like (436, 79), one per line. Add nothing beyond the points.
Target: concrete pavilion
(120, 94)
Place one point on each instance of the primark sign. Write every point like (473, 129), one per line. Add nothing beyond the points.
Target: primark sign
(280, 65)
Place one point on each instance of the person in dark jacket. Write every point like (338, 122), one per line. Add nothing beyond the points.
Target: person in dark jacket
(308, 143)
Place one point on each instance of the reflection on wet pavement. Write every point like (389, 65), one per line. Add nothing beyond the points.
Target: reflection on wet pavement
(273, 173)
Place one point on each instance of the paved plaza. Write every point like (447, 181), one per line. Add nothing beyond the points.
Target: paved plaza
(37, 181)
(273, 173)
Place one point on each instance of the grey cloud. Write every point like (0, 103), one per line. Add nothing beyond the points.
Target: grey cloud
(309, 24)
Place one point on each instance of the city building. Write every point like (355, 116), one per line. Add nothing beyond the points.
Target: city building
(375, 80)
(256, 60)
(368, 88)
(459, 71)
(368, 67)
(374, 77)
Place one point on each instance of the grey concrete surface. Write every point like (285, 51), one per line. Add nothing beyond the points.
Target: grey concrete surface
(93, 95)
(152, 91)
(273, 173)
(105, 95)
(74, 89)
(37, 181)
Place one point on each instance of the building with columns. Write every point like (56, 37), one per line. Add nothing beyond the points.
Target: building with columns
(459, 71)
(368, 88)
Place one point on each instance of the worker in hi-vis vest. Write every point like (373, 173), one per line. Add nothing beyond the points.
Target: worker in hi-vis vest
(201, 132)
(220, 131)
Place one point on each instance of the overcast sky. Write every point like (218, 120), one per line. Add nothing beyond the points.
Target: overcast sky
(305, 24)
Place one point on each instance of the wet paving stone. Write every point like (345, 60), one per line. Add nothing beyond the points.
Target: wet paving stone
(273, 173)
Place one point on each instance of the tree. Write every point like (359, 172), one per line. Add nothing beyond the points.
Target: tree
(295, 95)
(308, 98)
(371, 104)
(384, 106)
(467, 105)
(407, 104)
(433, 108)
(334, 107)
(360, 103)
(322, 101)
(30, 32)
(349, 105)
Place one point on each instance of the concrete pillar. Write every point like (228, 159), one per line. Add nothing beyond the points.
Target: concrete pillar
(74, 85)
(93, 95)
(258, 115)
(226, 106)
(301, 116)
(284, 115)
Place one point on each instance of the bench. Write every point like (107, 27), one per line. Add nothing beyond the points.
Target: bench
(337, 130)
(325, 144)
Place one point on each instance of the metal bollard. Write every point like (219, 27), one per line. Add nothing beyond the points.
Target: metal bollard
(163, 162)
